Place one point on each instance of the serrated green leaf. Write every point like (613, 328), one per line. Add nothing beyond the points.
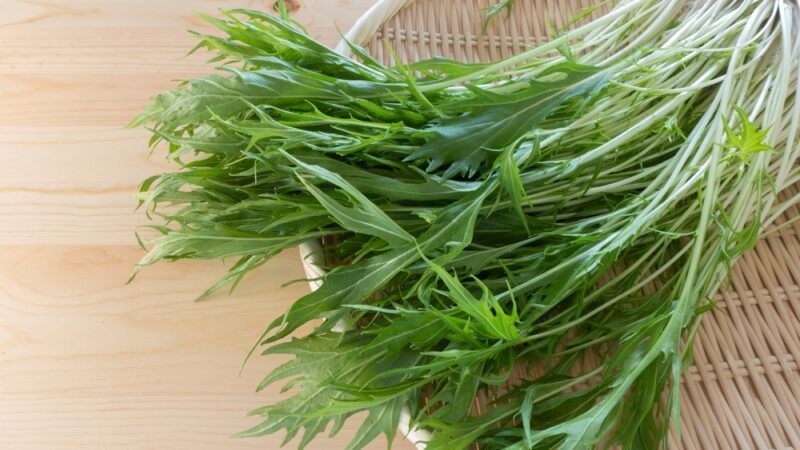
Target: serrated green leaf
(493, 321)
(355, 283)
(466, 143)
(365, 218)
(382, 419)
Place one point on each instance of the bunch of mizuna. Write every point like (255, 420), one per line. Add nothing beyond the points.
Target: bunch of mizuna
(566, 214)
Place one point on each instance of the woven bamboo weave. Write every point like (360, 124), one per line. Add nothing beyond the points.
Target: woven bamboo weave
(743, 391)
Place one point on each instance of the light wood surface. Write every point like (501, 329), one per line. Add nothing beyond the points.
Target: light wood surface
(85, 361)
(73, 73)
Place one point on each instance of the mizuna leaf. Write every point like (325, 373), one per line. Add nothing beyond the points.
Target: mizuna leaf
(512, 183)
(467, 142)
(460, 435)
(382, 419)
(493, 321)
(411, 186)
(318, 360)
(202, 98)
(355, 283)
(366, 218)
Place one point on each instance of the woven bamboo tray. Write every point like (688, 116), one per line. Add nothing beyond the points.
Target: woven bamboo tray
(743, 391)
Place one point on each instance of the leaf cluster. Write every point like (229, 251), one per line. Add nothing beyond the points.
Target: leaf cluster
(565, 212)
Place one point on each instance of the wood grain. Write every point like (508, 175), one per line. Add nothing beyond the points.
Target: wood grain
(72, 75)
(67, 336)
(87, 362)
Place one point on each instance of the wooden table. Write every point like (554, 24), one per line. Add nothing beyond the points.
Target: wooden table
(86, 361)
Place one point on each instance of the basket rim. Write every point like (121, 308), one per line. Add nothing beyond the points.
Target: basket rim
(369, 23)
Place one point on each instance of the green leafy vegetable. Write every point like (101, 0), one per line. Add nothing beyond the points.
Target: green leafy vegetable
(464, 143)
(565, 213)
